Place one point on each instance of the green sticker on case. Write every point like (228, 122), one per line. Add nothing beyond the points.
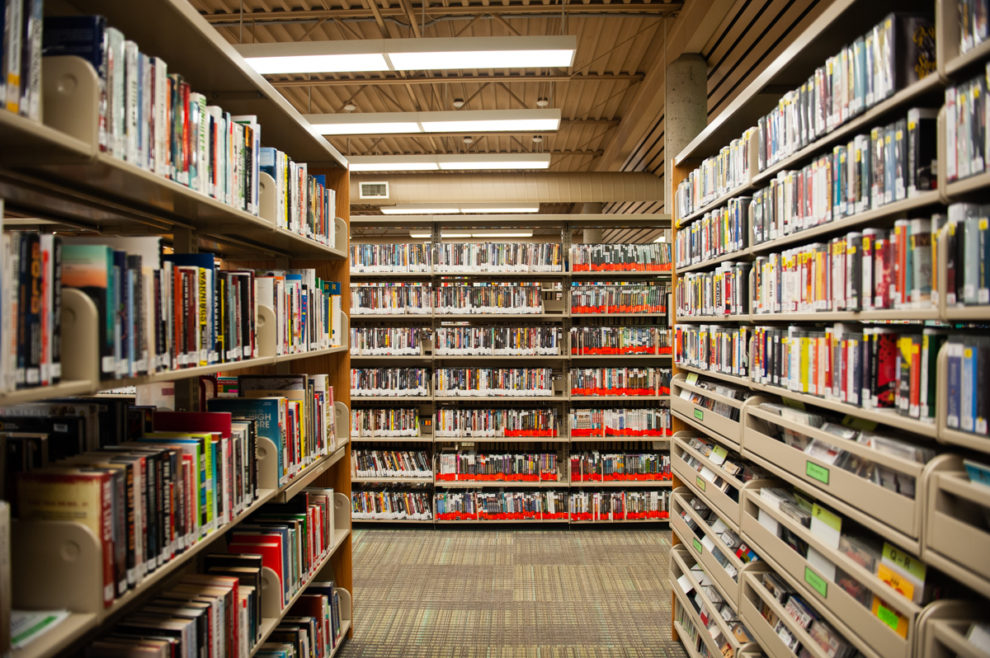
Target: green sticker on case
(817, 582)
(816, 472)
(701, 483)
(887, 616)
(697, 545)
(699, 414)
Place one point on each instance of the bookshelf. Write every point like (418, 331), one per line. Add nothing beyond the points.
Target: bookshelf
(939, 520)
(55, 175)
(464, 496)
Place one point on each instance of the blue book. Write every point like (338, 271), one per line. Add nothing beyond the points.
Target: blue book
(267, 414)
(978, 473)
(954, 398)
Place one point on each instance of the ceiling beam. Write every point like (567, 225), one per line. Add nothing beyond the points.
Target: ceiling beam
(461, 79)
(596, 7)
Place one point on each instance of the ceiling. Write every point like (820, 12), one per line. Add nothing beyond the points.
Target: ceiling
(611, 99)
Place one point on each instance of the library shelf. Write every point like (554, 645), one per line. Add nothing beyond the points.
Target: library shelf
(879, 315)
(732, 379)
(502, 439)
(37, 393)
(716, 498)
(596, 316)
(28, 140)
(930, 85)
(666, 274)
(600, 439)
(499, 316)
(390, 398)
(390, 275)
(921, 200)
(721, 200)
(619, 398)
(623, 484)
(615, 521)
(391, 316)
(499, 521)
(732, 255)
(475, 274)
(975, 313)
(957, 544)
(308, 475)
(616, 357)
(400, 521)
(391, 480)
(392, 439)
(500, 398)
(968, 186)
(701, 319)
(499, 484)
(81, 624)
(396, 358)
(498, 357)
(327, 351)
(268, 624)
(963, 61)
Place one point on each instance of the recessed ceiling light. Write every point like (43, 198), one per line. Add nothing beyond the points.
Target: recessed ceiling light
(449, 162)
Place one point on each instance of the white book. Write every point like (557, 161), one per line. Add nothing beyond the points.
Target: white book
(146, 92)
(12, 35)
(131, 85)
(115, 91)
(160, 128)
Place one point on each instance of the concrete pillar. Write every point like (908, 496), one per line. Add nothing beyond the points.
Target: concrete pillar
(685, 112)
(591, 235)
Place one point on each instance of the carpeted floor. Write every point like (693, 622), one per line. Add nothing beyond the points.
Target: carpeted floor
(511, 593)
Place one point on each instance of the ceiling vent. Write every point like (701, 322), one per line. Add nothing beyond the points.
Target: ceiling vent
(374, 190)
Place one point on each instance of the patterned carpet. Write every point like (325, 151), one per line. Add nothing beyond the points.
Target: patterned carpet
(511, 593)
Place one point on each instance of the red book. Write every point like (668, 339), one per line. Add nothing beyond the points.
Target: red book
(193, 421)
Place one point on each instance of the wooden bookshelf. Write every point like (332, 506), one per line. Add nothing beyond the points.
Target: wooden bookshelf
(55, 171)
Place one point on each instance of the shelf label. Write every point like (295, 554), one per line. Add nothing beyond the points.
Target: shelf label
(699, 414)
(701, 482)
(697, 546)
(887, 616)
(816, 472)
(817, 582)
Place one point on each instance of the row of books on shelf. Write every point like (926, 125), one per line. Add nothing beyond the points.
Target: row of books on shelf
(150, 117)
(154, 311)
(424, 299)
(630, 382)
(551, 506)
(872, 269)
(472, 466)
(871, 367)
(966, 112)
(509, 297)
(509, 341)
(973, 29)
(391, 464)
(150, 483)
(595, 466)
(617, 423)
(507, 257)
(890, 163)
(497, 467)
(543, 505)
(219, 611)
(895, 53)
(506, 382)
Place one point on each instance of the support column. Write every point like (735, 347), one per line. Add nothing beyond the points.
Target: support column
(591, 235)
(685, 113)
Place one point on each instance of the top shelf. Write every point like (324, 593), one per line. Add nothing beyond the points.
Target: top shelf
(213, 67)
(824, 37)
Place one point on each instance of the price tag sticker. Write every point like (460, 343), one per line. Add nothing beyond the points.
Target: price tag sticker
(817, 582)
(697, 546)
(699, 414)
(701, 483)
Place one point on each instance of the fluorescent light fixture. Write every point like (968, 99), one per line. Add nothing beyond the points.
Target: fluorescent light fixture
(503, 234)
(419, 210)
(420, 236)
(500, 209)
(450, 162)
(467, 121)
(481, 234)
(393, 163)
(662, 238)
(410, 54)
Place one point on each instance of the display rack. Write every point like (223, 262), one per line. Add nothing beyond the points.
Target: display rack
(53, 174)
(943, 521)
